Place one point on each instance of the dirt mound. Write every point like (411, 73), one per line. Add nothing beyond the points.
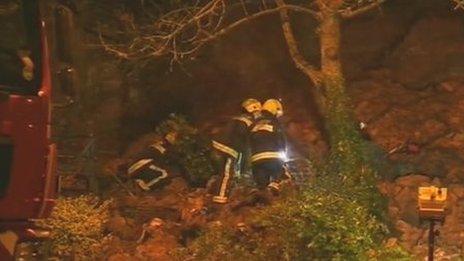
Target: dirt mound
(153, 224)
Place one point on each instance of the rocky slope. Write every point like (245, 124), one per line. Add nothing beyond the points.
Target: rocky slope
(406, 80)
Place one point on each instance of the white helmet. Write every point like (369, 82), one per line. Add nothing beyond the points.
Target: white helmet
(251, 105)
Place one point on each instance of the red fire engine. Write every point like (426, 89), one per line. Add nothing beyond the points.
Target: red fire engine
(28, 183)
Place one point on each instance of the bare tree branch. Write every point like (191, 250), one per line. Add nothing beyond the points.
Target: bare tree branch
(459, 4)
(298, 8)
(244, 7)
(255, 16)
(350, 12)
(300, 62)
(182, 32)
(295, 54)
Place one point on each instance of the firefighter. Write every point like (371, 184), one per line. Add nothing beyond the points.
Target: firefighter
(231, 145)
(268, 148)
(149, 168)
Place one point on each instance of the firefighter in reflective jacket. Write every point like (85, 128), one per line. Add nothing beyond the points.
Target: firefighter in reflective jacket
(231, 144)
(268, 148)
(149, 167)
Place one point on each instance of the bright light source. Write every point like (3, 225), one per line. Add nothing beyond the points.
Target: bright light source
(283, 156)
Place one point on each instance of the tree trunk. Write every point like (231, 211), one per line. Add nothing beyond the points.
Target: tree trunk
(333, 103)
(343, 136)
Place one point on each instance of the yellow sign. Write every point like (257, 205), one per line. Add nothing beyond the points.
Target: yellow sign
(432, 202)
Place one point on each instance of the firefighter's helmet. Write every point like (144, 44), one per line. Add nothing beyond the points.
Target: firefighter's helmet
(251, 105)
(273, 106)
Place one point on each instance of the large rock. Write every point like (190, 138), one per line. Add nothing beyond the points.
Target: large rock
(439, 162)
(410, 235)
(305, 139)
(452, 230)
(457, 190)
(157, 248)
(385, 188)
(433, 48)
(413, 180)
(364, 47)
(123, 227)
(406, 202)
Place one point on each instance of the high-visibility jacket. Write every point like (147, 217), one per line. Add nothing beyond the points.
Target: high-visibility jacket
(233, 138)
(267, 139)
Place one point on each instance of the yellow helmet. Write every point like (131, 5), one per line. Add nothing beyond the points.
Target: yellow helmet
(273, 106)
(251, 105)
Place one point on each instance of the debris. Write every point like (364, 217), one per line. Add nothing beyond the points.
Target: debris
(118, 180)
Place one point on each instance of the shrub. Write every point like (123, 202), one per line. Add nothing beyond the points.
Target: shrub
(77, 226)
(337, 217)
(192, 151)
(318, 224)
(321, 224)
(218, 243)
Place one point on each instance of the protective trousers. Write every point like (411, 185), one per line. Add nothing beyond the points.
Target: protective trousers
(228, 171)
(269, 173)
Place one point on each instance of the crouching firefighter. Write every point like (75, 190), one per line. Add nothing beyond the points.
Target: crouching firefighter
(149, 169)
(231, 144)
(268, 148)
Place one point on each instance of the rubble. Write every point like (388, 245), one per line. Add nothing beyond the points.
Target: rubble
(438, 157)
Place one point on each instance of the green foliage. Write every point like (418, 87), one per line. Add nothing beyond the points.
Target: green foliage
(176, 123)
(347, 164)
(195, 156)
(220, 243)
(192, 150)
(321, 223)
(77, 226)
(345, 158)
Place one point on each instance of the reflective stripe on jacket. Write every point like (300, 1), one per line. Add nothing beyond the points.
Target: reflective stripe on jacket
(263, 127)
(266, 155)
(248, 121)
(138, 165)
(232, 139)
(225, 149)
(267, 138)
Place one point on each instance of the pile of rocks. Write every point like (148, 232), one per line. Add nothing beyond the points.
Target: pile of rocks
(413, 234)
